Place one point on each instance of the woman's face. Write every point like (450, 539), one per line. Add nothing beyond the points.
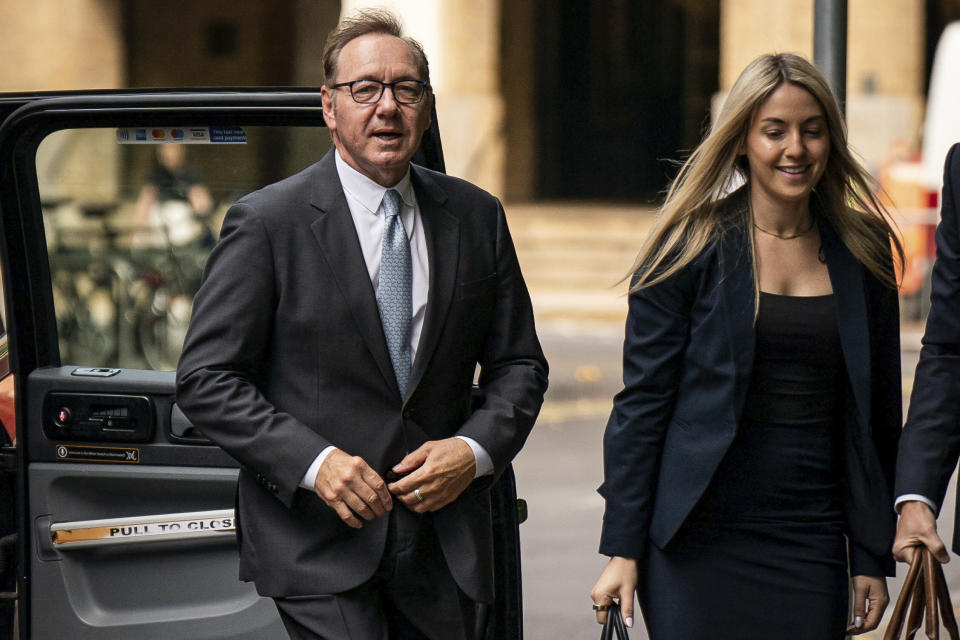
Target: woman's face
(787, 147)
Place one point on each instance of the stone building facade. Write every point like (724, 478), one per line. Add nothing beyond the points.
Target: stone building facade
(536, 99)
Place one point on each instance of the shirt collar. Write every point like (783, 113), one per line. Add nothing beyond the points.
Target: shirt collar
(367, 192)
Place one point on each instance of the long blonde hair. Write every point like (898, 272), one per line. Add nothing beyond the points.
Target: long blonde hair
(691, 216)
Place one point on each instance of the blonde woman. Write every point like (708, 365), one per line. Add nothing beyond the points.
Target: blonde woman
(749, 458)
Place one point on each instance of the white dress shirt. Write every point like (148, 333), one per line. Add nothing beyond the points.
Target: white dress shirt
(914, 496)
(363, 199)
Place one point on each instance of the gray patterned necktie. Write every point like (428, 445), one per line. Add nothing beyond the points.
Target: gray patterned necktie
(394, 288)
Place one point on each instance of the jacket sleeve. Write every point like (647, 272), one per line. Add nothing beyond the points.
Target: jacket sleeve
(887, 412)
(233, 316)
(513, 370)
(930, 443)
(657, 335)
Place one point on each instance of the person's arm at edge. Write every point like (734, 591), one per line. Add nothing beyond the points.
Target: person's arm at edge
(930, 444)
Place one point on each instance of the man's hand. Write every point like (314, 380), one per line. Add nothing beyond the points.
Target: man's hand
(350, 487)
(917, 526)
(437, 472)
(870, 599)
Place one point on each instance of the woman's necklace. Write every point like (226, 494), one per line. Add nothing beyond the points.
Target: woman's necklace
(785, 237)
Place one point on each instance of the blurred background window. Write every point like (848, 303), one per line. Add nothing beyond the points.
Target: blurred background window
(129, 228)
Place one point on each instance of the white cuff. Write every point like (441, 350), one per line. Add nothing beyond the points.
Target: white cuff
(484, 463)
(913, 496)
(309, 481)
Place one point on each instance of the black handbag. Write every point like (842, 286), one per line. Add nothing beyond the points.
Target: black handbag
(923, 590)
(614, 628)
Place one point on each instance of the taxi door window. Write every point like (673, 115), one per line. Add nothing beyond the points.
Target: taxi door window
(130, 216)
(8, 422)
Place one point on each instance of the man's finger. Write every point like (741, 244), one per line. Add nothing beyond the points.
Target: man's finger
(938, 549)
(346, 514)
(434, 495)
(413, 459)
(368, 508)
(408, 483)
(427, 500)
(359, 506)
(362, 496)
(905, 546)
(374, 491)
(904, 553)
(417, 505)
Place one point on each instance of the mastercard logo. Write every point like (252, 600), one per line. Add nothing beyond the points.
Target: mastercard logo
(157, 133)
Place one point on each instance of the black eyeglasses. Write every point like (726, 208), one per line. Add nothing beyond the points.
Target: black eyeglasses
(370, 91)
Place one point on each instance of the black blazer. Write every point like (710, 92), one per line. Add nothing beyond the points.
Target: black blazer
(285, 355)
(687, 361)
(931, 438)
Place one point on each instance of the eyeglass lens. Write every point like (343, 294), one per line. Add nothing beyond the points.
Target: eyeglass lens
(404, 91)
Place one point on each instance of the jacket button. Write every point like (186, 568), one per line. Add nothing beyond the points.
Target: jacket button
(407, 414)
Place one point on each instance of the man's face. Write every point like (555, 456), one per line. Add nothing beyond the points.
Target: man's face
(379, 139)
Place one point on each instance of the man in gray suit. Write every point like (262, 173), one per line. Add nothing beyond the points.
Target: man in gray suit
(332, 351)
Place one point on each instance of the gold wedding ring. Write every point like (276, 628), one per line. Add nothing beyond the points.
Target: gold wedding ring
(416, 492)
(601, 607)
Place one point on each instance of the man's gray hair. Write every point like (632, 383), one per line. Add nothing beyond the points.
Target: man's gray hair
(367, 21)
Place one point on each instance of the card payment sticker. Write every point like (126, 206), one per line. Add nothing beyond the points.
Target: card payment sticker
(181, 135)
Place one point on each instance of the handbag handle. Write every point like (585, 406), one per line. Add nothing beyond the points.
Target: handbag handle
(924, 600)
(614, 628)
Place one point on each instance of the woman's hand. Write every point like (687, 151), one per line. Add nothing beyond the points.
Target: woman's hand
(618, 581)
(870, 599)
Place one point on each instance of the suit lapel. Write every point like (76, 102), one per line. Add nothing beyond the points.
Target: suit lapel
(442, 231)
(849, 288)
(849, 292)
(737, 297)
(337, 236)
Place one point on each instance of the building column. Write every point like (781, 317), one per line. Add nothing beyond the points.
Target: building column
(50, 45)
(885, 62)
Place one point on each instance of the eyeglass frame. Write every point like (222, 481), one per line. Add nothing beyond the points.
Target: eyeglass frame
(383, 87)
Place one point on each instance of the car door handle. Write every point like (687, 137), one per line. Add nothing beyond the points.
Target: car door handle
(182, 430)
(83, 534)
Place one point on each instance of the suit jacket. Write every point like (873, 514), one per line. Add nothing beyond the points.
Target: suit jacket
(687, 364)
(930, 442)
(285, 355)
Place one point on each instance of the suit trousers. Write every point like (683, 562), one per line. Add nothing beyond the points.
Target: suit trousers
(412, 595)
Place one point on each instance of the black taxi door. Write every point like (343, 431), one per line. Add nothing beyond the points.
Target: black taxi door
(116, 516)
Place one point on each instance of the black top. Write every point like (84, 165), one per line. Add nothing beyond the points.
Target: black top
(798, 361)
